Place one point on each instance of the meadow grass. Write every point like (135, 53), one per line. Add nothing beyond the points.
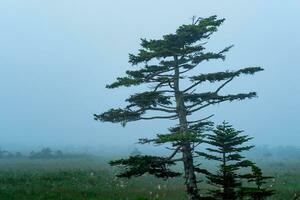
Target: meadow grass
(91, 178)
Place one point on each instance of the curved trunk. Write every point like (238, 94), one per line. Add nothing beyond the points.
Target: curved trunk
(187, 156)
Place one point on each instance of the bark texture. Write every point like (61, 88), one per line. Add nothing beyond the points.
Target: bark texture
(187, 156)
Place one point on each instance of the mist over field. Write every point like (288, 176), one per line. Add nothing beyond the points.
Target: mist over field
(57, 56)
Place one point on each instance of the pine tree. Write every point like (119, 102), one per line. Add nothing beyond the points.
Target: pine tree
(227, 146)
(258, 192)
(168, 66)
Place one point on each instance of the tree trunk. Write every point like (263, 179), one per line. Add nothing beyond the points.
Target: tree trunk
(190, 177)
(187, 156)
(225, 187)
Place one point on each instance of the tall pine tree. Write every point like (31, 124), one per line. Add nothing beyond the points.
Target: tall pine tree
(227, 146)
(169, 66)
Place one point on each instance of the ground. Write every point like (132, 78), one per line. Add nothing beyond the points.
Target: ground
(90, 178)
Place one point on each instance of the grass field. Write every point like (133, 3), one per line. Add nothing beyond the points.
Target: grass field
(90, 178)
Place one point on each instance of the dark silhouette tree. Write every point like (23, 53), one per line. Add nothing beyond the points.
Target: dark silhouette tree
(169, 67)
(258, 192)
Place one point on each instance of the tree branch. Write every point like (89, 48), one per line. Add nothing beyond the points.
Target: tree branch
(167, 107)
(162, 109)
(225, 83)
(158, 86)
(225, 98)
(159, 117)
(200, 120)
(176, 160)
(201, 107)
(174, 153)
(170, 84)
(191, 87)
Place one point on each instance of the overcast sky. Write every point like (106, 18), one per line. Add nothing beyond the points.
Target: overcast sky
(57, 56)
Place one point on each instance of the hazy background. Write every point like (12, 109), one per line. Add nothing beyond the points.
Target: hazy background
(56, 57)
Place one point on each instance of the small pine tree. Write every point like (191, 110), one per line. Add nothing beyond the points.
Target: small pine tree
(258, 192)
(227, 146)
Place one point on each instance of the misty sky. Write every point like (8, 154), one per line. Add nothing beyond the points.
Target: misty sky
(57, 56)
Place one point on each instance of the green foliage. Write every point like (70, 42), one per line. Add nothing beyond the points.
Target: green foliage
(140, 165)
(125, 81)
(118, 116)
(214, 98)
(174, 138)
(187, 44)
(220, 76)
(148, 99)
(180, 42)
(194, 134)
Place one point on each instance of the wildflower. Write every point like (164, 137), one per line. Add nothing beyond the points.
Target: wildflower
(158, 187)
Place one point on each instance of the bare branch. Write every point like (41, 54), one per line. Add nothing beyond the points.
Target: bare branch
(205, 105)
(162, 109)
(186, 71)
(162, 91)
(174, 153)
(176, 160)
(225, 83)
(159, 117)
(158, 86)
(151, 76)
(170, 85)
(164, 106)
(191, 87)
(200, 120)
(201, 107)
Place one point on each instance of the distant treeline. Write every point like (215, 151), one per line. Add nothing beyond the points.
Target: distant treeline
(260, 152)
(7, 154)
(281, 152)
(44, 153)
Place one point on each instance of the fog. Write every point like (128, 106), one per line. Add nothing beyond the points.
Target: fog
(57, 56)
